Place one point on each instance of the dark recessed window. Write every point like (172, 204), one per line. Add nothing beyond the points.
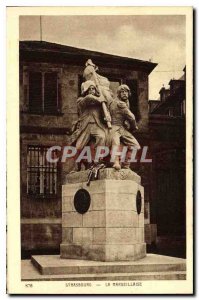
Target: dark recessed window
(41, 174)
(82, 201)
(44, 92)
(138, 202)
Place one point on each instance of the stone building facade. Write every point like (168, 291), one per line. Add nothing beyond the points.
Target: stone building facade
(50, 80)
(167, 127)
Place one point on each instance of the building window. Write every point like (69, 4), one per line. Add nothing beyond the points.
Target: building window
(43, 92)
(41, 174)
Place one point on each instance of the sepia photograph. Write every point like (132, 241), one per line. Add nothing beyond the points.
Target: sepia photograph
(100, 110)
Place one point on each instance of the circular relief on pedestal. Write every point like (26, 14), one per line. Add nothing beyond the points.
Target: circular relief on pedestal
(138, 202)
(82, 201)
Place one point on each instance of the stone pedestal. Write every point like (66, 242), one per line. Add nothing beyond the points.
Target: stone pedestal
(112, 228)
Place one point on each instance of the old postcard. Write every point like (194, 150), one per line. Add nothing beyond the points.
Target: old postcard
(99, 143)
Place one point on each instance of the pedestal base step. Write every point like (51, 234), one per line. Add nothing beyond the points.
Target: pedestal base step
(34, 275)
(152, 267)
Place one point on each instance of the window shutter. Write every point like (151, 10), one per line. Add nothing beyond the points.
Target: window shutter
(50, 92)
(59, 101)
(35, 92)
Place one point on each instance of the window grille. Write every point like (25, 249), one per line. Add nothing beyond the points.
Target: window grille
(41, 174)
